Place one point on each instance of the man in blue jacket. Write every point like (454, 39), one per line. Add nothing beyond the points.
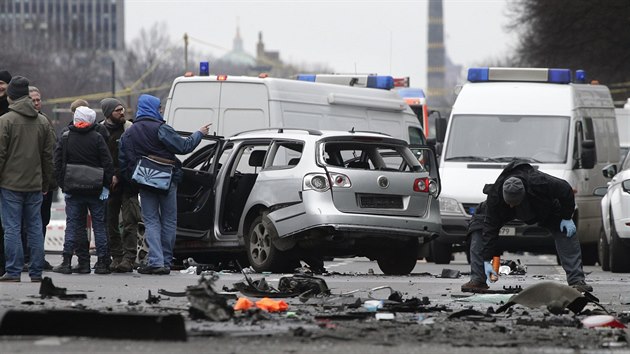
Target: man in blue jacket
(150, 135)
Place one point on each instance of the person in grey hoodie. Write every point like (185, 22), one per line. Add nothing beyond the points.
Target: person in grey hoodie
(26, 147)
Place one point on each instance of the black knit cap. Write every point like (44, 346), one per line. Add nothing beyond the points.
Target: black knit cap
(513, 191)
(5, 76)
(18, 87)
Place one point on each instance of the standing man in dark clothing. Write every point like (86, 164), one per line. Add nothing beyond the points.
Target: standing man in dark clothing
(26, 143)
(524, 193)
(5, 78)
(36, 97)
(82, 145)
(123, 196)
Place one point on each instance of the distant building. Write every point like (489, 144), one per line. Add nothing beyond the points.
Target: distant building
(237, 56)
(72, 24)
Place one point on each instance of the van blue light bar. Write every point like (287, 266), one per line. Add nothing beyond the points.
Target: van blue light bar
(204, 68)
(306, 77)
(355, 80)
(411, 93)
(380, 82)
(558, 76)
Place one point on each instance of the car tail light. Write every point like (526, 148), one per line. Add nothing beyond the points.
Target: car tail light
(421, 185)
(316, 181)
(340, 180)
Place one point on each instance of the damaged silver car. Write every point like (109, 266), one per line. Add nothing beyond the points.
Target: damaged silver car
(278, 194)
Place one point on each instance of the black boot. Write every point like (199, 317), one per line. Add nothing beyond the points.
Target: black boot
(102, 266)
(83, 267)
(64, 267)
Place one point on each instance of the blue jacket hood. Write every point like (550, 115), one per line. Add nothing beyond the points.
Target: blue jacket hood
(149, 106)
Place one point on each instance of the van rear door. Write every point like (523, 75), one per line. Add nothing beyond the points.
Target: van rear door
(243, 106)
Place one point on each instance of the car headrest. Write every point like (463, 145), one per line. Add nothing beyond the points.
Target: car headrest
(257, 157)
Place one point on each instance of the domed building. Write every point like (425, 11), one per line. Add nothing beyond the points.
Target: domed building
(237, 56)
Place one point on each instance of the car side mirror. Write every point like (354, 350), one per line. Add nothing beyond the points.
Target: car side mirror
(609, 171)
(600, 191)
(440, 128)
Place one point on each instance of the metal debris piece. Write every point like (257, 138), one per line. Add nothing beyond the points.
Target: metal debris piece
(555, 296)
(153, 299)
(172, 293)
(471, 315)
(393, 294)
(48, 289)
(207, 303)
(303, 283)
(450, 273)
(73, 323)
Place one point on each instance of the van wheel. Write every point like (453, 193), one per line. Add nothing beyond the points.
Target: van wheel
(398, 262)
(263, 256)
(618, 253)
(589, 254)
(602, 251)
(441, 252)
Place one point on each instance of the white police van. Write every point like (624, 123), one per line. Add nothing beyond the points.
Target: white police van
(566, 129)
(331, 102)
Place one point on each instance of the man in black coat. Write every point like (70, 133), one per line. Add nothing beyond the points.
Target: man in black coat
(524, 193)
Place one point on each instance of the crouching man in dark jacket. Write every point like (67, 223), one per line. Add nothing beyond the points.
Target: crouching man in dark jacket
(524, 193)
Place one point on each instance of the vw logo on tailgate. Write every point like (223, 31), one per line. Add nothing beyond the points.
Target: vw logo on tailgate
(383, 182)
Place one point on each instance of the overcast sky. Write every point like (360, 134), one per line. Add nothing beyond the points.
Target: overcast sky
(387, 36)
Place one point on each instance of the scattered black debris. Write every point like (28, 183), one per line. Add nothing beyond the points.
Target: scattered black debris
(555, 296)
(206, 303)
(450, 273)
(172, 293)
(516, 268)
(471, 315)
(339, 303)
(394, 295)
(553, 321)
(348, 316)
(410, 305)
(302, 283)
(106, 325)
(48, 289)
(153, 299)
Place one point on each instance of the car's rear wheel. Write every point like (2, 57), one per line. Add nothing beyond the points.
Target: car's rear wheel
(602, 251)
(441, 252)
(618, 253)
(398, 262)
(263, 256)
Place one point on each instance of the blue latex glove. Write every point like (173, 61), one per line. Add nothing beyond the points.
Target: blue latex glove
(568, 226)
(487, 267)
(104, 194)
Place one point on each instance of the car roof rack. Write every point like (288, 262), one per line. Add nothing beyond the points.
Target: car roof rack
(352, 131)
(282, 130)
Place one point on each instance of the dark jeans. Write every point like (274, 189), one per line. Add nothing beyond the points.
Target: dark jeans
(125, 243)
(45, 211)
(18, 206)
(77, 207)
(568, 250)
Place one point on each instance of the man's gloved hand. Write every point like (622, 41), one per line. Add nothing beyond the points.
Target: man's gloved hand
(568, 226)
(104, 194)
(487, 267)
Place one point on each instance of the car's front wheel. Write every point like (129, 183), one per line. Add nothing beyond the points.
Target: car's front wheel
(602, 250)
(618, 253)
(263, 256)
(398, 262)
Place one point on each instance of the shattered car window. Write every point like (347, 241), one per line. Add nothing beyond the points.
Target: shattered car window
(370, 156)
(284, 154)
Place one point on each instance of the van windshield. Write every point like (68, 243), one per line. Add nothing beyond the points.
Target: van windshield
(496, 138)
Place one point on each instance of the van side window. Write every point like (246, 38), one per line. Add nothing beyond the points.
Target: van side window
(416, 137)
